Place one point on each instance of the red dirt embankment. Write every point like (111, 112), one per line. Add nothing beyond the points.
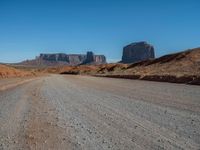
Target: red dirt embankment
(7, 72)
(182, 67)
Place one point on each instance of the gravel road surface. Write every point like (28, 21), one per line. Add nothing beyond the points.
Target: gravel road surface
(88, 113)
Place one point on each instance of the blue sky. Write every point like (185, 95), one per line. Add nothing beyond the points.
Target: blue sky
(30, 27)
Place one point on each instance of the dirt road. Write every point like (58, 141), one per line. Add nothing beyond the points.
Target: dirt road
(80, 112)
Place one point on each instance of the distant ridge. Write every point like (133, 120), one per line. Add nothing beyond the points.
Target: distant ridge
(59, 59)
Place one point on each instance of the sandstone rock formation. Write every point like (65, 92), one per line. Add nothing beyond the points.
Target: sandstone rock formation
(100, 59)
(138, 51)
(72, 59)
(91, 58)
(45, 60)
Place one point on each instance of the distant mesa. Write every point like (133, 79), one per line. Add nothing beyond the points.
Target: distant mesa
(137, 51)
(65, 59)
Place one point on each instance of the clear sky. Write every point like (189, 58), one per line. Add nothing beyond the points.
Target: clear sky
(30, 27)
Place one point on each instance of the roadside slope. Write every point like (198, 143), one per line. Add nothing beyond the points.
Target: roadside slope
(182, 67)
(7, 72)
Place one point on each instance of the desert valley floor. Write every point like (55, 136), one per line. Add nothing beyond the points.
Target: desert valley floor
(82, 112)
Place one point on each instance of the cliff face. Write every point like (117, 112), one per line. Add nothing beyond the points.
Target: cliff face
(45, 60)
(73, 59)
(89, 58)
(63, 58)
(100, 59)
(138, 51)
(97, 59)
